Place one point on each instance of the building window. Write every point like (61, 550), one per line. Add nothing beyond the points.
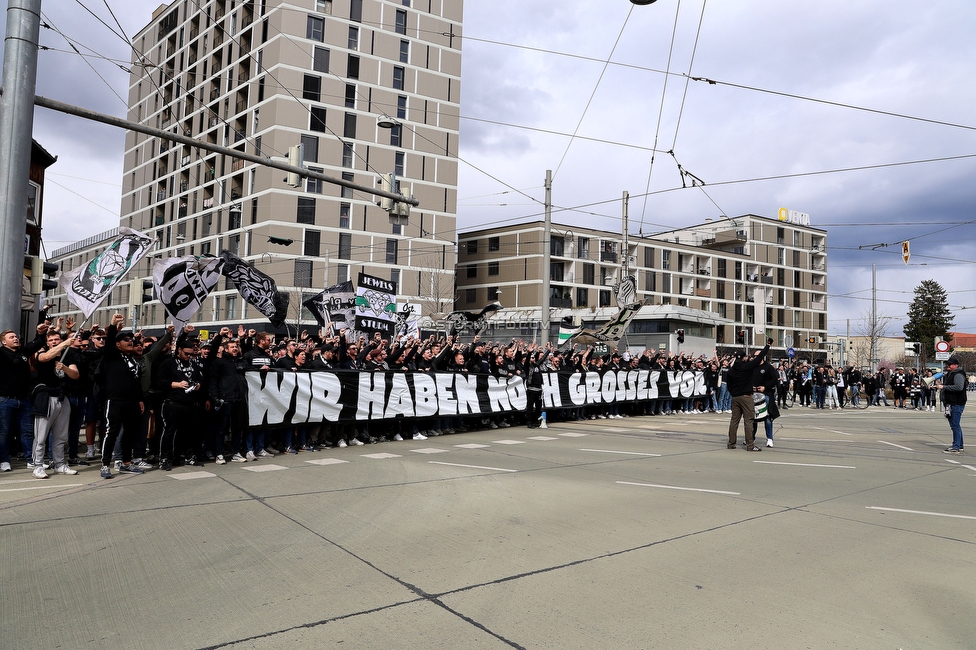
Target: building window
(470, 295)
(346, 192)
(493, 244)
(404, 51)
(345, 246)
(401, 22)
(492, 293)
(323, 6)
(344, 210)
(352, 67)
(398, 164)
(303, 273)
(349, 126)
(312, 88)
(353, 41)
(347, 154)
(471, 271)
(395, 135)
(320, 59)
(492, 268)
(402, 107)
(781, 256)
(395, 279)
(317, 120)
(342, 273)
(582, 297)
(315, 29)
(310, 145)
(391, 251)
(356, 10)
(556, 246)
(665, 283)
(313, 243)
(472, 247)
(589, 274)
(738, 270)
(604, 298)
(583, 248)
(350, 95)
(397, 78)
(722, 268)
(796, 259)
(306, 210)
(648, 257)
(650, 283)
(312, 185)
(720, 290)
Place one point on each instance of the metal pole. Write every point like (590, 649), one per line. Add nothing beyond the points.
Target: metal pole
(16, 126)
(52, 104)
(874, 318)
(626, 251)
(546, 271)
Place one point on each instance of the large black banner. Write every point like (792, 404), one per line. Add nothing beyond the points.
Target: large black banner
(284, 397)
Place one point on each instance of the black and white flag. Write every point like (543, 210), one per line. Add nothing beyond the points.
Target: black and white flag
(183, 284)
(460, 321)
(334, 307)
(257, 288)
(87, 286)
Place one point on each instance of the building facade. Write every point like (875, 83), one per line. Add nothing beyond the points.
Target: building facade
(262, 76)
(712, 268)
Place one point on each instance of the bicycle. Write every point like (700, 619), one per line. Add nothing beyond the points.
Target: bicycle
(860, 399)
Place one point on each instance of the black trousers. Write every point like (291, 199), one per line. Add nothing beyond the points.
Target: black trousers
(121, 418)
(534, 407)
(181, 430)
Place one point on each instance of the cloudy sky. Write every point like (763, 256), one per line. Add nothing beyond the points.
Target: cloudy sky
(803, 92)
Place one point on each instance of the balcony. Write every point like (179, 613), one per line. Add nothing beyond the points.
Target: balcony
(608, 256)
(561, 303)
(818, 305)
(703, 293)
(766, 279)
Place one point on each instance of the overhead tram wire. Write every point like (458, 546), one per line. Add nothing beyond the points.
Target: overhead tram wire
(660, 116)
(586, 108)
(54, 28)
(691, 64)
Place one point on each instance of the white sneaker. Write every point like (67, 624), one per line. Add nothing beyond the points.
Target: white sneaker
(5, 467)
(356, 442)
(89, 454)
(250, 456)
(40, 473)
(220, 460)
(141, 464)
(419, 436)
(398, 437)
(64, 469)
(264, 453)
(237, 458)
(769, 442)
(342, 444)
(118, 465)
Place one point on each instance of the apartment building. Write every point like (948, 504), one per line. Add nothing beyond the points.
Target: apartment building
(703, 279)
(367, 87)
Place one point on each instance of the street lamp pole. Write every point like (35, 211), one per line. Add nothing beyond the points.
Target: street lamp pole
(546, 256)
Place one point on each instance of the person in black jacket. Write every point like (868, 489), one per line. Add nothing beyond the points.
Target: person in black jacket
(740, 387)
(15, 390)
(180, 380)
(228, 395)
(120, 375)
(954, 387)
(765, 378)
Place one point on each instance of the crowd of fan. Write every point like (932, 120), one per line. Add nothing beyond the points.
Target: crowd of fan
(153, 401)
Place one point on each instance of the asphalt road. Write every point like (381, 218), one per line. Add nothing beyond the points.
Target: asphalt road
(854, 531)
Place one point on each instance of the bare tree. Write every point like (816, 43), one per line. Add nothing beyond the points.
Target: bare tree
(871, 331)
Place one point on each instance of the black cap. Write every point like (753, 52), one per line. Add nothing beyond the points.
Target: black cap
(952, 360)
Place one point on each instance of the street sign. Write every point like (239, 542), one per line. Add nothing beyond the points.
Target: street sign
(788, 340)
(942, 346)
(791, 353)
(942, 356)
(905, 253)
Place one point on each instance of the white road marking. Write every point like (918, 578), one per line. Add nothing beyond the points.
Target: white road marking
(675, 487)
(543, 438)
(472, 445)
(572, 435)
(921, 512)
(326, 461)
(381, 456)
(264, 468)
(970, 467)
(954, 462)
(494, 469)
(430, 450)
(47, 486)
(772, 462)
(894, 445)
(509, 442)
(628, 453)
(189, 476)
(843, 433)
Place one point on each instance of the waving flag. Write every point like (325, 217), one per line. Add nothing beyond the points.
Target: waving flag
(183, 283)
(87, 286)
(334, 307)
(256, 288)
(460, 321)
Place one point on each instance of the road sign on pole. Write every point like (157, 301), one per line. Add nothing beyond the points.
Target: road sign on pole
(905, 252)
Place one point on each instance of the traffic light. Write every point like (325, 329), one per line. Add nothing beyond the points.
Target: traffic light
(681, 335)
(387, 184)
(812, 339)
(296, 156)
(918, 347)
(740, 337)
(148, 291)
(39, 268)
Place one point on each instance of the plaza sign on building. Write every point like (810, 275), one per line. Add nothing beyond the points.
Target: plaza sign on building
(795, 217)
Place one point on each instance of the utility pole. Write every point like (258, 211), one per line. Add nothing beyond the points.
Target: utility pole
(874, 318)
(546, 255)
(626, 251)
(16, 127)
